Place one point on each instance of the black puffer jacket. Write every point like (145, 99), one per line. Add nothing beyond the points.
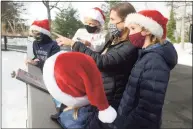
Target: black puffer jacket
(143, 98)
(115, 67)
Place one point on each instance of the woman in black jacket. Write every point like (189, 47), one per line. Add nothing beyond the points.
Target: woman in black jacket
(117, 59)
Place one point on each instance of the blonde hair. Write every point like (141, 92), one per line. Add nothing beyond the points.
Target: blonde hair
(153, 38)
(75, 114)
(123, 37)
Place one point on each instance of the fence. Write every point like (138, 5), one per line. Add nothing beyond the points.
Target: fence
(18, 43)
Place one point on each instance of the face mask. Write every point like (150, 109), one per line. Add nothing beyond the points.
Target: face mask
(91, 29)
(114, 30)
(38, 37)
(137, 39)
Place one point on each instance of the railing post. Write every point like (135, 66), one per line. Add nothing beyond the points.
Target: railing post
(5, 42)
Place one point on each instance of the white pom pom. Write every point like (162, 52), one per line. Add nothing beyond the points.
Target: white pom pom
(108, 115)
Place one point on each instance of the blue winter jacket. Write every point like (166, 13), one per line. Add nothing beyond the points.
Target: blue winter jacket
(143, 99)
(44, 49)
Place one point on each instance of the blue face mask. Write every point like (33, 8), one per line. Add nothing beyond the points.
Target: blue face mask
(114, 30)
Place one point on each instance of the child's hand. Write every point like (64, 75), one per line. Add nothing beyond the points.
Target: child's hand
(33, 62)
(36, 60)
(27, 61)
(86, 43)
(13, 74)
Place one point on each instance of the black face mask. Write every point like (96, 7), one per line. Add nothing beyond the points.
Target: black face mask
(91, 29)
(41, 37)
(38, 37)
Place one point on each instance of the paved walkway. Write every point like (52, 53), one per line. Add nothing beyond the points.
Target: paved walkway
(14, 102)
(178, 103)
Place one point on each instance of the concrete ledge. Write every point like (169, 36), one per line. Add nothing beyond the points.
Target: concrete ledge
(40, 105)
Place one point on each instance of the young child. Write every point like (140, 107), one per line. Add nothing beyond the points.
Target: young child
(93, 36)
(73, 79)
(43, 45)
(143, 99)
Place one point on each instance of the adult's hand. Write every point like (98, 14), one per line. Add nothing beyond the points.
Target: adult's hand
(61, 40)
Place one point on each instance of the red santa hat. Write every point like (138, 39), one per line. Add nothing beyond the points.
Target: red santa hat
(151, 20)
(41, 26)
(95, 14)
(74, 79)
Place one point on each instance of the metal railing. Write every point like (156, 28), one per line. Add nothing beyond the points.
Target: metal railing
(16, 43)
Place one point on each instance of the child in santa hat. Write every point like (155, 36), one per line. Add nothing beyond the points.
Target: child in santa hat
(143, 98)
(43, 45)
(93, 36)
(73, 79)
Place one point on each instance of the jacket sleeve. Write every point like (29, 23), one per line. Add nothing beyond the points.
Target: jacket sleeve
(54, 50)
(152, 86)
(35, 55)
(109, 60)
(40, 64)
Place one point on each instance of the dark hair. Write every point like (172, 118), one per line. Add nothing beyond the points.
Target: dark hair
(123, 9)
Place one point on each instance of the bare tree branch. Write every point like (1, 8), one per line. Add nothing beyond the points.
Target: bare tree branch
(60, 9)
(11, 26)
(49, 8)
(55, 5)
(46, 3)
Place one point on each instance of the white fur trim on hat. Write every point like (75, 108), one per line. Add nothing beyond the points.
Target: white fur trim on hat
(40, 29)
(145, 22)
(108, 115)
(95, 15)
(54, 90)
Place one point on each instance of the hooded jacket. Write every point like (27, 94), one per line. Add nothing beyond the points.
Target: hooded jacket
(143, 98)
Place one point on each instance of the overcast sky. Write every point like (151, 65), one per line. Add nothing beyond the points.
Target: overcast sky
(36, 10)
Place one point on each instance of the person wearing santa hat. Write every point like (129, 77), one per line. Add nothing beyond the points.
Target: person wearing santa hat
(142, 102)
(73, 79)
(93, 36)
(43, 45)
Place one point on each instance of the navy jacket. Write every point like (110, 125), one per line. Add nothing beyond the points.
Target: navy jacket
(44, 49)
(143, 98)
